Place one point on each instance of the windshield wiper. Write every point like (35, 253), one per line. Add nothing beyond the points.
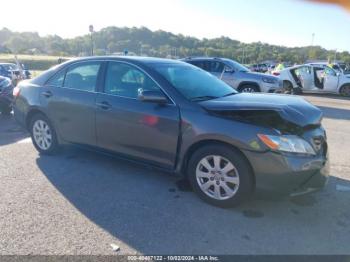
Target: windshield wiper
(202, 98)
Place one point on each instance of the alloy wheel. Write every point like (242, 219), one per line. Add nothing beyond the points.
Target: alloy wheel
(217, 177)
(42, 134)
(248, 90)
(345, 91)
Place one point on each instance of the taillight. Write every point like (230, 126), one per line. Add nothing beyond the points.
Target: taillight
(276, 73)
(16, 91)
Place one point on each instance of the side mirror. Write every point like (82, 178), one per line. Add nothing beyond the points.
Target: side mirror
(152, 97)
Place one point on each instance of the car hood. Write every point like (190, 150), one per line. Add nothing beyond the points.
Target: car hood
(257, 75)
(271, 109)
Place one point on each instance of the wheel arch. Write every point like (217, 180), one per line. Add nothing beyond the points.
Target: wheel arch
(34, 111)
(31, 113)
(199, 144)
(288, 81)
(342, 86)
(246, 83)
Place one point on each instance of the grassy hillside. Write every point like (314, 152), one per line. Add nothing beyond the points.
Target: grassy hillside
(159, 43)
(32, 62)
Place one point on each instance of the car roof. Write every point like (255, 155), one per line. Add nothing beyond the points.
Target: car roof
(309, 64)
(139, 59)
(208, 59)
(203, 58)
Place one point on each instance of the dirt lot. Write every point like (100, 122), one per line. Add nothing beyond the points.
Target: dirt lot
(81, 202)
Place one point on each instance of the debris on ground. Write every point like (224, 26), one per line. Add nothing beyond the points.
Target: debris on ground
(115, 247)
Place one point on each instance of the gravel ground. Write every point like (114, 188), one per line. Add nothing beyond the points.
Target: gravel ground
(81, 202)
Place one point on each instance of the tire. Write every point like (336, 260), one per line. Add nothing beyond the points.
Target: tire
(297, 91)
(287, 87)
(5, 110)
(214, 184)
(345, 90)
(249, 89)
(43, 135)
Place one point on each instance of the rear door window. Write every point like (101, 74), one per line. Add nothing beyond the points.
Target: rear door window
(201, 64)
(216, 67)
(82, 76)
(58, 79)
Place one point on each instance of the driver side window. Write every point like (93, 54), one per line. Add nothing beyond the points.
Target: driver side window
(127, 81)
(329, 71)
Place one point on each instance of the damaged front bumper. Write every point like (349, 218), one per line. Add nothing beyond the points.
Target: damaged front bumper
(289, 174)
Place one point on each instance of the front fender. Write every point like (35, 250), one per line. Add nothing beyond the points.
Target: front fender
(199, 128)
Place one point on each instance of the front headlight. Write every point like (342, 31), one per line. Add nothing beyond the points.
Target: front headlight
(287, 143)
(269, 80)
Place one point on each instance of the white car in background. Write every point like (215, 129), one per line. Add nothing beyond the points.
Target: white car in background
(315, 78)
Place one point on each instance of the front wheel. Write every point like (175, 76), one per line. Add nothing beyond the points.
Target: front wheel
(43, 135)
(249, 89)
(220, 175)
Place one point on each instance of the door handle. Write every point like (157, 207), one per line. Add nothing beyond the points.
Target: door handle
(104, 105)
(47, 94)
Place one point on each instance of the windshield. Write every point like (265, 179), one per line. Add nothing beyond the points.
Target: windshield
(237, 66)
(194, 83)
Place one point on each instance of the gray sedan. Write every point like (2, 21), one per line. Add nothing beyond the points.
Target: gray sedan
(179, 118)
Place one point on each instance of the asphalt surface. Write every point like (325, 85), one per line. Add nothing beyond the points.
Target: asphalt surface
(81, 202)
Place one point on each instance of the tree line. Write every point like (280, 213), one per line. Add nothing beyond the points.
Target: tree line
(142, 41)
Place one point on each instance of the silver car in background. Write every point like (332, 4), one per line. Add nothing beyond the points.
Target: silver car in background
(236, 75)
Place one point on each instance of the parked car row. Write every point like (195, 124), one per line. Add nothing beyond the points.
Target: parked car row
(318, 78)
(341, 68)
(10, 75)
(180, 118)
(236, 75)
(13, 71)
(6, 96)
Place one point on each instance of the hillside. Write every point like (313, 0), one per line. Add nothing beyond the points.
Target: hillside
(157, 43)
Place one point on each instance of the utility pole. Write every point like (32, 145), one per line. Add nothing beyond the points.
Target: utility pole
(243, 57)
(335, 55)
(312, 39)
(91, 30)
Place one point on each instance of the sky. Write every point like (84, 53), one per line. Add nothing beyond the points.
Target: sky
(281, 22)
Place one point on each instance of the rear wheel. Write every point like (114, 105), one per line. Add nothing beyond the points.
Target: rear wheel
(220, 175)
(249, 89)
(43, 135)
(297, 91)
(345, 90)
(287, 87)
